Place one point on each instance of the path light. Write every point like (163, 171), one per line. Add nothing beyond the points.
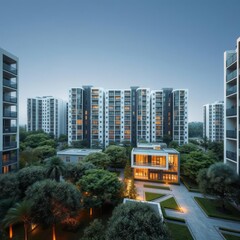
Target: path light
(10, 232)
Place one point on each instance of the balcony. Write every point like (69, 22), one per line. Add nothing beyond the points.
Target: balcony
(9, 145)
(7, 129)
(9, 83)
(231, 155)
(231, 60)
(231, 134)
(149, 165)
(232, 75)
(11, 114)
(231, 90)
(9, 161)
(10, 99)
(231, 111)
(10, 68)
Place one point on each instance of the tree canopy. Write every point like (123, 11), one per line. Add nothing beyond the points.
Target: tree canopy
(117, 155)
(132, 221)
(220, 181)
(99, 159)
(99, 186)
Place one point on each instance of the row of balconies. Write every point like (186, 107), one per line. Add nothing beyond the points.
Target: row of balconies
(231, 90)
(231, 60)
(231, 75)
(9, 83)
(9, 145)
(9, 68)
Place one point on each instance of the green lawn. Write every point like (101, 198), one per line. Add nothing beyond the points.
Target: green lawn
(151, 196)
(179, 232)
(213, 208)
(230, 236)
(156, 187)
(170, 203)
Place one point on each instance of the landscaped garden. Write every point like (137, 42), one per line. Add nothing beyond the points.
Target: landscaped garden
(213, 208)
(179, 231)
(156, 187)
(170, 203)
(149, 196)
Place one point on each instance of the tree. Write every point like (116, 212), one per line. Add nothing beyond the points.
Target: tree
(28, 158)
(194, 162)
(53, 202)
(34, 139)
(80, 144)
(63, 138)
(127, 170)
(220, 181)
(117, 155)
(29, 175)
(173, 144)
(20, 213)
(135, 221)
(195, 129)
(99, 186)
(167, 139)
(132, 191)
(43, 152)
(187, 148)
(9, 186)
(74, 172)
(55, 168)
(96, 231)
(217, 149)
(99, 159)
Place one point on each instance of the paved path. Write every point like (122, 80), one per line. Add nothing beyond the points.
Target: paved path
(201, 226)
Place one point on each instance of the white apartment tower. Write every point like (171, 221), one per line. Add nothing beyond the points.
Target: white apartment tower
(156, 116)
(48, 114)
(9, 139)
(180, 116)
(117, 116)
(213, 121)
(231, 107)
(75, 115)
(143, 111)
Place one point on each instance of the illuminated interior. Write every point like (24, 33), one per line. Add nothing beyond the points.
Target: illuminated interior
(148, 160)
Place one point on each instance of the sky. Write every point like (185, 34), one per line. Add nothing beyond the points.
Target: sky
(120, 43)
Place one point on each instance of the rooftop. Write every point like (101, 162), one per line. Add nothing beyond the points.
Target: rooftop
(154, 151)
(77, 151)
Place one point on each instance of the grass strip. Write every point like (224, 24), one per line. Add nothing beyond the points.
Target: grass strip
(230, 236)
(152, 196)
(171, 218)
(228, 230)
(190, 186)
(156, 187)
(179, 232)
(171, 204)
(213, 208)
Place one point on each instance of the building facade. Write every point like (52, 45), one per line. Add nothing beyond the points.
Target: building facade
(9, 139)
(156, 164)
(48, 114)
(127, 116)
(231, 107)
(213, 121)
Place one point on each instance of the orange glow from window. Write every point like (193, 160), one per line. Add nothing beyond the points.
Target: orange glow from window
(79, 122)
(10, 232)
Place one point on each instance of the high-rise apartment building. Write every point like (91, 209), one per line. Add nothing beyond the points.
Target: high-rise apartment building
(231, 107)
(213, 121)
(9, 139)
(180, 116)
(127, 115)
(117, 116)
(48, 114)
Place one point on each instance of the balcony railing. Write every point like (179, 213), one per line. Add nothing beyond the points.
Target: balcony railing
(9, 161)
(231, 90)
(231, 111)
(9, 83)
(149, 165)
(9, 129)
(232, 75)
(231, 134)
(231, 155)
(10, 114)
(8, 98)
(231, 60)
(8, 145)
(9, 68)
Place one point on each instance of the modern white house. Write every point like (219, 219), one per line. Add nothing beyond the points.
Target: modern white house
(9, 112)
(74, 155)
(156, 164)
(231, 107)
(213, 121)
(48, 114)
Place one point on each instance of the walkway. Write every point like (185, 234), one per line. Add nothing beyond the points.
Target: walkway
(201, 226)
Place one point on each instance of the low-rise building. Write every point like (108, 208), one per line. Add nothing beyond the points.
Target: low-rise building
(160, 165)
(74, 155)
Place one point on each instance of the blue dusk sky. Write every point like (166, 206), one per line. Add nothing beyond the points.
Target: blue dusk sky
(118, 44)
